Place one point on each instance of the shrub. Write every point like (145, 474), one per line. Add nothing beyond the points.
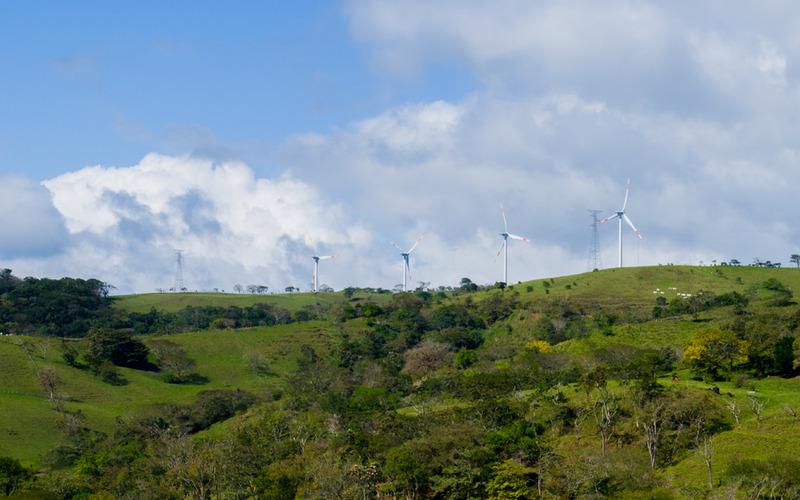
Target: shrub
(465, 358)
(538, 345)
(109, 373)
(461, 338)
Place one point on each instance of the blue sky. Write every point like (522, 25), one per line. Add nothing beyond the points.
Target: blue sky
(93, 82)
(253, 135)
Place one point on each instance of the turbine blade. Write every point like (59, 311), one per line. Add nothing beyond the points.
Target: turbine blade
(627, 193)
(326, 257)
(503, 213)
(395, 245)
(628, 221)
(502, 246)
(517, 237)
(609, 218)
(414, 245)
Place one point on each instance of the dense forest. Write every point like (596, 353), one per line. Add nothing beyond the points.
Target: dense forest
(424, 395)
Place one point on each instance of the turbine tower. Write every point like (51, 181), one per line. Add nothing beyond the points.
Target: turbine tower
(318, 258)
(406, 262)
(594, 252)
(620, 215)
(179, 285)
(504, 247)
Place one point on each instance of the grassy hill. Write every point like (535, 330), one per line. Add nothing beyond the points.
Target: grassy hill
(172, 302)
(29, 426)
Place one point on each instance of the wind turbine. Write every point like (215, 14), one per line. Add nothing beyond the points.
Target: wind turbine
(620, 216)
(406, 264)
(318, 258)
(504, 247)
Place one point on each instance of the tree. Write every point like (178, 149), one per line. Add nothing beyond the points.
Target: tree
(712, 352)
(12, 475)
(783, 356)
(120, 348)
(425, 358)
(467, 285)
(48, 381)
(511, 480)
(69, 354)
(172, 359)
(238, 288)
(795, 258)
(603, 405)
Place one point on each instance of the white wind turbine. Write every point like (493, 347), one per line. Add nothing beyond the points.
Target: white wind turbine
(504, 247)
(620, 216)
(318, 258)
(406, 263)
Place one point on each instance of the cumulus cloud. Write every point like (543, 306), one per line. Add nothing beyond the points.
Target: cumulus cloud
(126, 222)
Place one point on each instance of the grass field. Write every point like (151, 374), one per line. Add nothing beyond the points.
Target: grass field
(633, 287)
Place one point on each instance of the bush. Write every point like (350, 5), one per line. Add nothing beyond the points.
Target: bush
(109, 373)
(218, 405)
(465, 358)
(461, 338)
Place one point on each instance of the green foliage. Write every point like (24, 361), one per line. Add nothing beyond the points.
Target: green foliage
(454, 315)
(713, 353)
(783, 356)
(460, 338)
(66, 307)
(425, 395)
(12, 475)
(119, 348)
(511, 480)
(465, 358)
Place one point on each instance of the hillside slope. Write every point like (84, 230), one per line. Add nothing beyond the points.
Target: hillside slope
(375, 396)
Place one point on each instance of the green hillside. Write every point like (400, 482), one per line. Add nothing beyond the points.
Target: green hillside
(29, 426)
(172, 302)
(513, 377)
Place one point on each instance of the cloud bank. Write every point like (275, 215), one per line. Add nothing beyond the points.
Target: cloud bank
(696, 103)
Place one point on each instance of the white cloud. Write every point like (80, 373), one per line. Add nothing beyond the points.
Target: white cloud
(695, 102)
(125, 223)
